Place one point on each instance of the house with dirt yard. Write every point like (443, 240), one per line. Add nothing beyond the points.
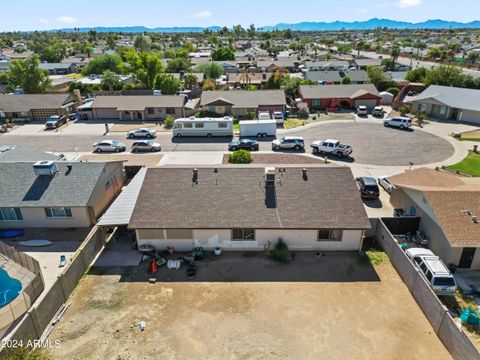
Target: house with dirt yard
(133, 107)
(335, 97)
(242, 102)
(448, 207)
(57, 194)
(448, 103)
(250, 208)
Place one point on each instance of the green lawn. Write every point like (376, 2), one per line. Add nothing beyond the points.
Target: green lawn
(293, 123)
(470, 139)
(470, 165)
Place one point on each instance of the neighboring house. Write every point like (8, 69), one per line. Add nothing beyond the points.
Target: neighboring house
(314, 208)
(243, 80)
(269, 66)
(240, 102)
(59, 68)
(228, 66)
(133, 107)
(336, 77)
(334, 97)
(362, 64)
(448, 103)
(446, 205)
(333, 65)
(69, 195)
(36, 106)
(13, 153)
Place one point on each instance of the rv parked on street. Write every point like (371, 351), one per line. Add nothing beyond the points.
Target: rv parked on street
(208, 127)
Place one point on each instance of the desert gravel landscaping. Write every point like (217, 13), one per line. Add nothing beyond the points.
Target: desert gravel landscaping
(247, 307)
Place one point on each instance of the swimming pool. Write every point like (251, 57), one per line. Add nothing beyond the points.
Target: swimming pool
(10, 288)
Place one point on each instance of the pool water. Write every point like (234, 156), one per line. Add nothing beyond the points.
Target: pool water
(10, 288)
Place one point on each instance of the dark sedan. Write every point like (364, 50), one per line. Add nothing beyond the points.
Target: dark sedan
(245, 144)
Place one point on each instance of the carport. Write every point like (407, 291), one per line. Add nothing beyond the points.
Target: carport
(119, 213)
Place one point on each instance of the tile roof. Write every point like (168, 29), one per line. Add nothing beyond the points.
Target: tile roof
(337, 91)
(136, 102)
(237, 197)
(245, 99)
(22, 188)
(25, 103)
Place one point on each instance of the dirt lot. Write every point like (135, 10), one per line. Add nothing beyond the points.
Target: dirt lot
(247, 307)
(280, 159)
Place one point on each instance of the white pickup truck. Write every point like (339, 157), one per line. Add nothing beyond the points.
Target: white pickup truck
(333, 147)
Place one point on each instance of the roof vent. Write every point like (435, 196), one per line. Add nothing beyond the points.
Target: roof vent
(195, 176)
(48, 168)
(304, 174)
(475, 219)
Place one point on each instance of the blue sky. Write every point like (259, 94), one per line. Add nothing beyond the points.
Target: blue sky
(54, 14)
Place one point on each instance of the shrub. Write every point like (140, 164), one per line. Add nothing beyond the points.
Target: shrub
(250, 115)
(280, 252)
(404, 110)
(303, 113)
(393, 90)
(168, 123)
(240, 157)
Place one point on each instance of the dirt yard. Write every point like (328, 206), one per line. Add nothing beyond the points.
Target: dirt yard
(247, 307)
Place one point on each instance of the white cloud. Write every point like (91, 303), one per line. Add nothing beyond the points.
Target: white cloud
(203, 14)
(382, 5)
(362, 11)
(404, 4)
(44, 21)
(66, 20)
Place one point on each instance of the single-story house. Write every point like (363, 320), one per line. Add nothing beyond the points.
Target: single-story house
(448, 103)
(333, 65)
(36, 106)
(250, 209)
(133, 107)
(447, 206)
(333, 97)
(241, 102)
(290, 63)
(242, 80)
(50, 194)
(59, 68)
(336, 77)
(362, 64)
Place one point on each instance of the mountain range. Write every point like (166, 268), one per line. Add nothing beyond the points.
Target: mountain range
(371, 24)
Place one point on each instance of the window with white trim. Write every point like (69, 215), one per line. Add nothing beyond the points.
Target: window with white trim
(243, 235)
(58, 212)
(11, 214)
(329, 235)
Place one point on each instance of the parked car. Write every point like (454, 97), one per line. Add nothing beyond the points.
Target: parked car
(333, 147)
(142, 133)
(368, 187)
(109, 145)
(289, 142)
(385, 184)
(146, 145)
(412, 253)
(399, 122)
(378, 111)
(54, 122)
(362, 110)
(245, 144)
(278, 116)
(436, 274)
(264, 115)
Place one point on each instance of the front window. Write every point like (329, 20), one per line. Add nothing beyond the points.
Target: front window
(150, 111)
(329, 235)
(243, 234)
(11, 214)
(58, 212)
(170, 111)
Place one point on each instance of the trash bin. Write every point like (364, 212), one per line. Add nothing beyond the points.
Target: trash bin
(475, 148)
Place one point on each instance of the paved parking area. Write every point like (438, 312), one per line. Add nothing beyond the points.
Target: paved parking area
(243, 306)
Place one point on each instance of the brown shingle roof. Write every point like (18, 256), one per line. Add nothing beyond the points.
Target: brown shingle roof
(25, 103)
(338, 91)
(136, 102)
(237, 197)
(246, 99)
(461, 231)
(425, 178)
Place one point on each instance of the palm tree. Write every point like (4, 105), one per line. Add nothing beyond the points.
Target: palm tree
(395, 53)
(245, 77)
(359, 46)
(190, 81)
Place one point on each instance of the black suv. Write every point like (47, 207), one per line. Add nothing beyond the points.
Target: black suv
(368, 187)
(245, 144)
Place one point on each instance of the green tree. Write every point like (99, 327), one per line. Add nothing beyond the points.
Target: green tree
(344, 48)
(27, 75)
(111, 81)
(167, 84)
(375, 75)
(445, 75)
(178, 64)
(103, 63)
(395, 53)
(436, 53)
(210, 70)
(141, 43)
(240, 157)
(111, 41)
(208, 85)
(473, 56)
(388, 64)
(190, 81)
(223, 54)
(417, 75)
(346, 80)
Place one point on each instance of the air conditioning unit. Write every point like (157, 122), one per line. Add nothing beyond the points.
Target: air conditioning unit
(45, 168)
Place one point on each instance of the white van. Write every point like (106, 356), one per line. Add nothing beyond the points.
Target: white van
(264, 115)
(208, 127)
(278, 116)
(436, 274)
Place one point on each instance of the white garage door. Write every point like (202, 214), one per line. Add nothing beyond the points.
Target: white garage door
(470, 116)
(370, 104)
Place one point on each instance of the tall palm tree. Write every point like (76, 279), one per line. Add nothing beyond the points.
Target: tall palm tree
(395, 53)
(245, 77)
